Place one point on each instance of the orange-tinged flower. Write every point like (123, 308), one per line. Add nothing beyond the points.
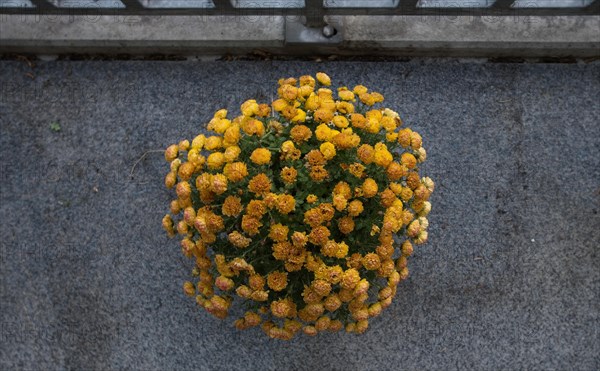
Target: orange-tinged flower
(224, 283)
(327, 211)
(283, 308)
(250, 225)
(235, 171)
(346, 225)
(215, 160)
(318, 173)
(263, 110)
(289, 174)
(253, 127)
(323, 115)
(232, 135)
(213, 142)
(277, 280)
(356, 169)
(339, 202)
(256, 208)
(319, 235)
(358, 120)
(285, 204)
(279, 232)
(288, 92)
(329, 248)
(260, 184)
(409, 160)
(355, 208)
(261, 156)
(346, 140)
(412, 180)
(395, 171)
(171, 152)
(311, 199)
(367, 99)
(289, 112)
(366, 153)
(404, 137)
(183, 190)
(378, 97)
(350, 279)
(369, 188)
(371, 261)
(332, 303)
(343, 188)
(315, 158)
(415, 140)
(321, 287)
(238, 240)
(231, 153)
(306, 80)
(219, 184)
(299, 239)
(300, 133)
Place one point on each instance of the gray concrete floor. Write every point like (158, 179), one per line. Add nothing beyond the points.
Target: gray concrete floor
(509, 280)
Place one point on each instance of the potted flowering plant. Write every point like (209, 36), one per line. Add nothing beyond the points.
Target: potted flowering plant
(306, 208)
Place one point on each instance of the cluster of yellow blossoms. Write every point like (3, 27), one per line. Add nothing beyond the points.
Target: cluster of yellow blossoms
(307, 208)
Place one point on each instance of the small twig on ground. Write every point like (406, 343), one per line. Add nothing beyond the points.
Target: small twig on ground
(143, 157)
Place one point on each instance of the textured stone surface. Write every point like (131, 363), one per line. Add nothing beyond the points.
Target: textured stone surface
(509, 280)
(471, 35)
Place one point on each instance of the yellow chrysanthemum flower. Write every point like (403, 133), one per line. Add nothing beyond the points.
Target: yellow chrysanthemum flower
(328, 150)
(323, 79)
(261, 156)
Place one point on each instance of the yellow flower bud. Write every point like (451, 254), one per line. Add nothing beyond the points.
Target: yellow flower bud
(171, 152)
(323, 79)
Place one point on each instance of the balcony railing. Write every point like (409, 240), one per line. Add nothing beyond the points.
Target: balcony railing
(313, 10)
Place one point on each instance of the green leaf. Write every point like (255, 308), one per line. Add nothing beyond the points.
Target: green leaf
(55, 126)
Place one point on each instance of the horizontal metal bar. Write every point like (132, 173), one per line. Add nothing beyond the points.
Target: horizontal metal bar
(503, 4)
(42, 5)
(408, 4)
(407, 8)
(132, 4)
(223, 5)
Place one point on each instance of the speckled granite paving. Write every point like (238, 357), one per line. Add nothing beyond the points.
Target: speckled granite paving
(509, 280)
